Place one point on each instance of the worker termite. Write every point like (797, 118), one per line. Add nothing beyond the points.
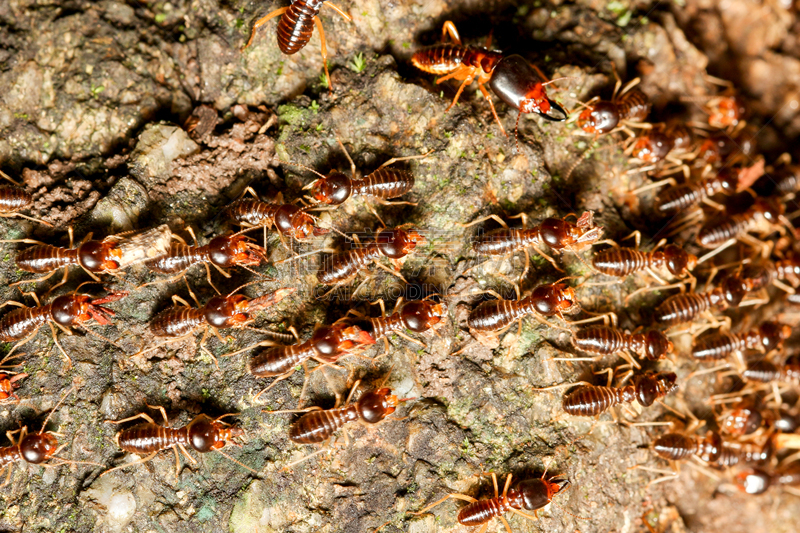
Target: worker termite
(646, 388)
(15, 199)
(526, 495)
(767, 372)
(757, 481)
(762, 274)
(393, 243)
(742, 418)
(416, 316)
(220, 312)
(724, 148)
(662, 141)
(94, 257)
(682, 197)
(604, 340)
(296, 26)
(35, 448)
(517, 82)
(686, 307)
(711, 449)
(223, 251)
(556, 299)
(73, 310)
(203, 434)
(558, 234)
(622, 262)
(763, 218)
(628, 106)
(767, 337)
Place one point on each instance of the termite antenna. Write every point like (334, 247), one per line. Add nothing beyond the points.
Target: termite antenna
(53, 410)
(7, 177)
(231, 459)
(300, 165)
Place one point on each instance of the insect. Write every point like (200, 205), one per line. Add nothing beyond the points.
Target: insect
(711, 449)
(724, 148)
(320, 424)
(604, 340)
(203, 434)
(296, 26)
(622, 262)
(686, 307)
(743, 418)
(416, 316)
(231, 311)
(289, 220)
(630, 105)
(660, 142)
(725, 111)
(514, 80)
(682, 197)
(766, 372)
(765, 273)
(757, 481)
(15, 199)
(590, 400)
(558, 234)
(762, 218)
(94, 257)
(8, 383)
(767, 337)
(223, 251)
(526, 495)
(73, 310)
(392, 243)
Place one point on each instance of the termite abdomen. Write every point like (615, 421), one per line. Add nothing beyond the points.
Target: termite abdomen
(296, 25)
(674, 446)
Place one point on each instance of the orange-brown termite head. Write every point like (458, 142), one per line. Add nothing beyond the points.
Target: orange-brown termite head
(421, 315)
(233, 250)
(555, 299)
(206, 435)
(294, 222)
(374, 406)
(725, 111)
(600, 117)
(37, 448)
(226, 312)
(333, 189)
(397, 243)
(99, 256)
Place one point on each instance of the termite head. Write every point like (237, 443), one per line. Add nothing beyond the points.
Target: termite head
(421, 315)
(521, 86)
(397, 243)
(679, 262)
(37, 448)
(294, 222)
(332, 341)
(99, 256)
(769, 209)
(717, 148)
(657, 345)
(743, 419)
(206, 435)
(333, 189)
(227, 311)
(734, 290)
(555, 299)
(233, 250)
(725, 111)
(376, 405)
(651, 386)
(753, 481)
(652, 147)
(536, 493)
(773, 334)
(600, 117)
(77, 308)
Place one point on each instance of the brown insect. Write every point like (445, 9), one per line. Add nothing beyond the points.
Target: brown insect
(417, 316)
(590, 400)
(73, 310)
(725, 110)
(762, 274)
(223, 251)
(711, 449)
(630, 105)
(296, 26)
(220, 312)
(743, 418)
(687, 195)
(8, 384)
(289, 220)
(767, 337)
(526, 495)
(517, 82)
(724, 148)
(108, 256)
(622, 262)
(686, 307)
(558, 234)
(15, 199)
(394, 244)
(766, 372)
(203, 434)
(757, 481)
(660, 142)
(763, 218)
(605, 340)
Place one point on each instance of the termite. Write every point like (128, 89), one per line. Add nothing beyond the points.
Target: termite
(8, 384)
(724, 148)
(558, 234)
(394, 244)
(767, 337)
(660, 142)
(744, 418)
(526, 495)
(223, 251)
(289, 220)
(73, 310)
(605, 340)
(765, 273)
(762, 218)
(767, 372)
(622, 262)
(630, 105)
(517, 82)
(35, 448)
(320, 424)
(590, 400)
(725, 111)
(682, 197)
(296, 26)
(711, 449)
(220, 312)
(686, 307)
(757, 481)
(556, 299)
(416, 316)
(203, 434)
(15, 199)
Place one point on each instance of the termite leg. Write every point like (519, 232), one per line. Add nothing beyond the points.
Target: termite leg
(145, 416)
(406, 158)
(431, 506)
(58, 344)
(491, 106)
(263, 20)
(468, 80)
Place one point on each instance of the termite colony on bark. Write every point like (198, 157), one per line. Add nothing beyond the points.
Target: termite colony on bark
(696, 173)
